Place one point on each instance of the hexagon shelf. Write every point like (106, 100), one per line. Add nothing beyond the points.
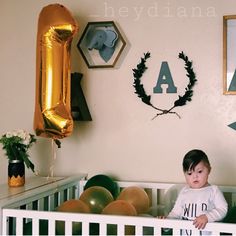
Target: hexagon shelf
(101, 44)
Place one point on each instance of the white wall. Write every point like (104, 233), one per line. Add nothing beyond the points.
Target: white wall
(122, 140)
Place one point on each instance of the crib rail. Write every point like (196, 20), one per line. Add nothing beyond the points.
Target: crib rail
(141, 225)
(48, 196)
(37, 209)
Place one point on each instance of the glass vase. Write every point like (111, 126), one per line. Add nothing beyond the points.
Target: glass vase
(16, 173)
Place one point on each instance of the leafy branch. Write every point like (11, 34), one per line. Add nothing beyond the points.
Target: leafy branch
(181, 101)
(192, 79)
(138, 73)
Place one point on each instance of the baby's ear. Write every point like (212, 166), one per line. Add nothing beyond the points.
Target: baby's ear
(209, 169)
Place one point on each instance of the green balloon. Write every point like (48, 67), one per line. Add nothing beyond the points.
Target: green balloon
(96, 198)
(103, 181)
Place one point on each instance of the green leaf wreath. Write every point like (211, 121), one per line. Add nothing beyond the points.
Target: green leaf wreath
(181, 101)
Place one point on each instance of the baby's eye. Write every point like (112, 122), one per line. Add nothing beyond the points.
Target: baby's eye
(200, 171)
(189, 173)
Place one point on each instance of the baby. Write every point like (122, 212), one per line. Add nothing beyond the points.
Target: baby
(198, 200)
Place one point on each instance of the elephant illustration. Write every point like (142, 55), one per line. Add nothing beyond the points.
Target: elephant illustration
(104, 41)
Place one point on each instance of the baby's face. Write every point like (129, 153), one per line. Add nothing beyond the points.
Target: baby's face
(198, 177)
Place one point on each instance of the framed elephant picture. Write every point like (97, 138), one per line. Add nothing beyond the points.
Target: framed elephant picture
(101, 44)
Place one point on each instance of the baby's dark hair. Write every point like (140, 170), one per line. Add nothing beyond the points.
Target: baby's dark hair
(193, 157)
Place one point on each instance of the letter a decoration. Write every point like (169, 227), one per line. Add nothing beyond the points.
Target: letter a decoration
(181, 101)
(165, 73)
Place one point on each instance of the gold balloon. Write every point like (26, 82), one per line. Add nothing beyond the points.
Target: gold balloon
(120, 207)
(137, 197)
(74, 206)
(56, 28)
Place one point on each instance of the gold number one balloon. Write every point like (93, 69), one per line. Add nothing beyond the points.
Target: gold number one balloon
(56, 28)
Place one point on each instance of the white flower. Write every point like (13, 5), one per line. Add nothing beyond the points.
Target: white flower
(16, 143)
(9, 134)
(26, 140)
(14, 133)
(25, 137)
(20, 133)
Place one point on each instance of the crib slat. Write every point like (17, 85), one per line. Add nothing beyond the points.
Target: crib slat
(85, 228)
(68, 228)
(139, 230)
(157, 230)
(233, 199)
(51, 227)
(120, 229)
(41, 204)
(19, 225)
(60, 197)
(35, 226)
(29, 206)
(51, 203)
(70, 193)
(154, 196)
(102, 229)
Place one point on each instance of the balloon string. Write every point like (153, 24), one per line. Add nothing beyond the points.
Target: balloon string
(51, 170)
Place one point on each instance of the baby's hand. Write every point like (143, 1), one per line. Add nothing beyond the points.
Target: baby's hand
(200, 222)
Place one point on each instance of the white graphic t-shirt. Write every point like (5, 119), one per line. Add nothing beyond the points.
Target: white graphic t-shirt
(191, 203)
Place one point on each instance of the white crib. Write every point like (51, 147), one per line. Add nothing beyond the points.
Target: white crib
(35, 208)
